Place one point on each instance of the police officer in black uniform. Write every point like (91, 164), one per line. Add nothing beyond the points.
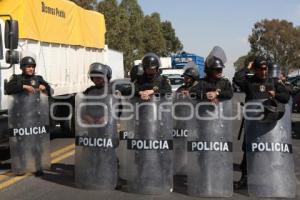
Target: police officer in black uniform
(151, 81)
(27, 81)
(257, 86)
(100, 75)
(101, 160)
(213, 87)
(191, 78)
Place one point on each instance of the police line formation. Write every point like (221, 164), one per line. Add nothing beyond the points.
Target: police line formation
(148, 152)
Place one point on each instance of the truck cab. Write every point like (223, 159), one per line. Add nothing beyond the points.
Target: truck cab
(8, 57)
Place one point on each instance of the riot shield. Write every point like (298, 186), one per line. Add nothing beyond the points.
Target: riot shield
(149, 153)
(96, 140)
(126, 131)
(216, 52)
(182, 112)
(270, 163)
(210, 170)
(28, 123)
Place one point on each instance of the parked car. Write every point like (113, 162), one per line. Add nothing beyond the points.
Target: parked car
(176, 81)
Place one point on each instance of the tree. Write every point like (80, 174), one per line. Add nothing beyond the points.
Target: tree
(117, 29)
(86, 4)
(243, 61)
(173, 44)
(153, 37)
(277, 40)
(136, 19)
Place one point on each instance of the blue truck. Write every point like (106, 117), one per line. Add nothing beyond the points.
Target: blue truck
(181, 59)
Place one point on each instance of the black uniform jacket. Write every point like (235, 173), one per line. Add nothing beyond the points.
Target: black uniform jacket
(159, 82)
(15, 85)
(207, 84)
(256, 88)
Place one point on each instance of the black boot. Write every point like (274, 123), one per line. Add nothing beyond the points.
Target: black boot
(241, 184)
(39, 173)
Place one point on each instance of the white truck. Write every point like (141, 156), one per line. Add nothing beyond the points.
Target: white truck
(64, 39)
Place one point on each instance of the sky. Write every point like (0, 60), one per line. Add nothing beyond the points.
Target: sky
(202, 24)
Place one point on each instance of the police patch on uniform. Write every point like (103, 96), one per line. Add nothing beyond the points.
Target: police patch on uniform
(262, 88)
(33, 82)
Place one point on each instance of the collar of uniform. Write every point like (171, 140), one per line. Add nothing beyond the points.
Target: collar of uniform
(27, 76)
(209, 79)
(258, 80)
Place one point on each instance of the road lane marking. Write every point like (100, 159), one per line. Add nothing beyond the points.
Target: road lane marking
(62, 157)
(11, 181)
(6, 175)
(63, 150)
(57, 153)
(16, 179)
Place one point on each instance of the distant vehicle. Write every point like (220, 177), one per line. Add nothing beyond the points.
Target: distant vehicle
(294, 80)
(180, 60)
(176, 81)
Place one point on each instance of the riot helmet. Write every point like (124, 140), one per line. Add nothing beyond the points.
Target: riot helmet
(259, 62)
(215, 60)
(192, 73)
(136, 71)
(99, 68)
(274, 70)
(150, 61)
(28, 60)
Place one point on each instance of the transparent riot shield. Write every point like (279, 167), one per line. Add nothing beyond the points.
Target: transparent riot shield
(28, 123)
(96, 141)
(210, 159)
(270, 163)
(149, 153)
(182, 114)
(126, 131)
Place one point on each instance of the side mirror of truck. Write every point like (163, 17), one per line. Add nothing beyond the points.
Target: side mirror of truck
(12, 57)
(11, 36)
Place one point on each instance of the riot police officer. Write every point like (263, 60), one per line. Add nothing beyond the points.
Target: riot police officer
(257, 86)
(29, 153)
(27, 81)
(213, 87)
(213, 94)
(96, 132)
(191, 78)
(149, 164)
(100, 75)
(151, 81)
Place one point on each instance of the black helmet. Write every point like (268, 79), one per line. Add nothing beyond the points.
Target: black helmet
(274, 70)
(191, 72)
(27, 61)
(135, 72)
(99, 68)
(259, 62)
(215, 59)
(150, 60)
(214, 63)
